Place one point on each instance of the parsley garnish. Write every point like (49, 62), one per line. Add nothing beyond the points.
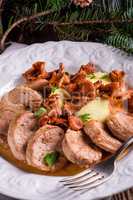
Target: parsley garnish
(85, 117)
(53, 89)
(40, 112)
(91, 76)
(51, 158)
(105, 77)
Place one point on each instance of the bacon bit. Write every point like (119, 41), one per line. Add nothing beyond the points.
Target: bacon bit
(50, 100)
(109, 89)
(121, 99)
(37, 71)
(75, 123)
(97, 84)
(116, 104)
(87, 89)
(123, 95)
(88, 68)
(82, 85)
(70, 108)
(80, 100)
(52, 120)
(71, 87)
(53, 80)
(59, 77)
(43, 120)
(52, 104)
(58, 120)
(77, 78)
(81, 74)
(55, 112)
(64, 80)
(117, 76)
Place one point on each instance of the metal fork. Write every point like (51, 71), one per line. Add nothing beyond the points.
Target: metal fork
(99, 174)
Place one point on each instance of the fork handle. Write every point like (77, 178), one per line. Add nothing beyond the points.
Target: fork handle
(128, 145)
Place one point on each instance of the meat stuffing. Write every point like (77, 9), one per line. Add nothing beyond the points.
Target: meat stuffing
(5, 119)
(121, 125)
(99, 136)
(20, 130)
(46, 140)
(78, 151)
(20, 98)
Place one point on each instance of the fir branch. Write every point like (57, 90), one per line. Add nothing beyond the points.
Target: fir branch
(128, 15)
(75, 23)
(115, 21)
(72, 33)
(2, 43)
(120, 40)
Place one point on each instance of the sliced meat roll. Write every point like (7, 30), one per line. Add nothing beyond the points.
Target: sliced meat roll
(21, 97)
(44, 144)
(6, 115)
(121, 125)
(99, 136)
(5, 119)
(78, 151)
(20, 130)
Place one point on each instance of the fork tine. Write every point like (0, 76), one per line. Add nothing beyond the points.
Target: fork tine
(89, 174)
(89, 187)
(81, 179)
(77, 176)
(95, 182)
(78, 191)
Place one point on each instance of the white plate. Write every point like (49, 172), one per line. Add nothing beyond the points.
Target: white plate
(18, 184)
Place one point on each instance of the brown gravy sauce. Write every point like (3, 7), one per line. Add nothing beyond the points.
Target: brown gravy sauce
(69, 170)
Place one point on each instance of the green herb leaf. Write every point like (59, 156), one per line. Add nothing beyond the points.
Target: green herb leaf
(53, 89)
(51, 158)
(104, 77)
(91, 76)
(40, 112)
(85, 117)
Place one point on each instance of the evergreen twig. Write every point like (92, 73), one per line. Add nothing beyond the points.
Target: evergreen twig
(104, 20)
(44, 13)
(115, 21)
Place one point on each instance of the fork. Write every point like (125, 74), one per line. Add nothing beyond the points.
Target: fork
(100, 173)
